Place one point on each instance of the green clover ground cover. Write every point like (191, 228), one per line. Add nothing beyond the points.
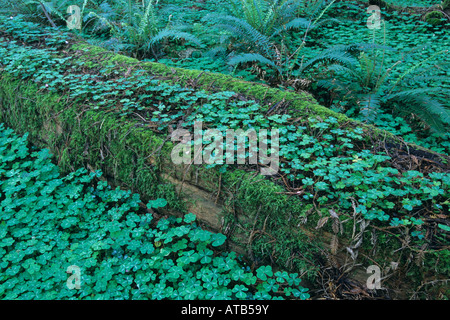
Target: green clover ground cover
(49, 222)
(413, 3)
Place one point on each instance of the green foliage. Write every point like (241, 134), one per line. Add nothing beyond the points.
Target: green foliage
(445, 4)
(370, 87)
(435, 18)
(50, 222)
(49, 12)
(326, 161)
(121, 25)
(332, 167)
(408, 3)
(260, 31)
(323, 157)
(263, 16)
(380, 3)
(140, 30)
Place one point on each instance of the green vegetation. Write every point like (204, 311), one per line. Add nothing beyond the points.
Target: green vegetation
(50, 222)
(369, 86)
(257, 28)
(363, 156)
(445, 4)
(435, 18)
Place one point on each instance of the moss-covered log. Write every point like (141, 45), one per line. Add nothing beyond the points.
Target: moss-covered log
(263, 217)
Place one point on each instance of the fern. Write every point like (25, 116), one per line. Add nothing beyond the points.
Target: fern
(420, 103)
(372, 86)
(252, 57)
(175, 35)
(148, 20)
(100, 19)
(141, 35)
(416, 66)
(329, 56)
(370, 104)
(264, 16)
(297, 23)
(245, 32)
(33, 9)
(257, 26)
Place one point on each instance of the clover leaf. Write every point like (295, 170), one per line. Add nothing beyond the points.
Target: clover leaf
(263, 272)
(157, 203)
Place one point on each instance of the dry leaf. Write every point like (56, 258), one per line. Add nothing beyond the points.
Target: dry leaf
(321, 222)
(352, 253)
(333, 214)
(335, 225)
(334, 244)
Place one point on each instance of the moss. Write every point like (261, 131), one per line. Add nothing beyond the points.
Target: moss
(302, 101)
(435, 18)
(299, 104)
(268, 220)
(445, 4)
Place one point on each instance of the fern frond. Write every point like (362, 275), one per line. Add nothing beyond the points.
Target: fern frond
(148, 19)
(416, 66)
(313, 7)
(428, 109)
(330, 57)
(333, 85)
(173, 34)
(324, 10)
(103, 20)
(217, 51)
(341, 69)
(370, 105)
(251, 57)
(417, 79)
(104, 10)
(242, 30)
(297, 23)
(332, 21)
(427, 74)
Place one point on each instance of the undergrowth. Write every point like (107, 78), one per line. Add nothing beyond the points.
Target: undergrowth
(365, 192)
(52, 225)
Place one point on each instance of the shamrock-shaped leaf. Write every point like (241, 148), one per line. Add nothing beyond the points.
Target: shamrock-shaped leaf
(190, 217)
(158, 203)
(263, 272)
(240, 290)
(218, 239)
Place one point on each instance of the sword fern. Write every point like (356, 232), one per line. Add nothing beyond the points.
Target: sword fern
(142, 33)
(374, 89)
(258, 28)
